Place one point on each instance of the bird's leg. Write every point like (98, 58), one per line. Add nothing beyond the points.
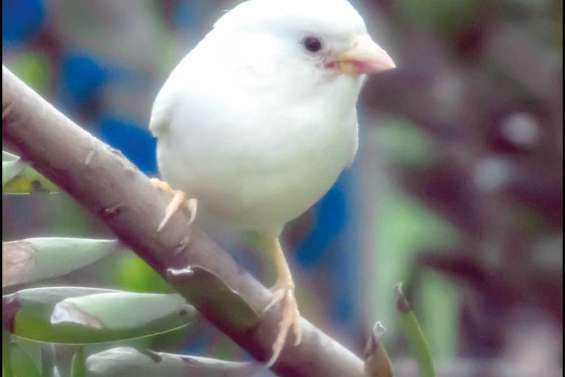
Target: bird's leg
(177, 202)
(283, 292)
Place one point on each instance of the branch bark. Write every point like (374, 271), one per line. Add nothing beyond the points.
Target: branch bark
(107, 184)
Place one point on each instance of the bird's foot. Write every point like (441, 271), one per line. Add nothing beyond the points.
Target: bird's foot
(283, 293)
(178, 201)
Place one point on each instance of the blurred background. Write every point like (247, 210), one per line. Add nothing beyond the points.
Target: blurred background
(456, 191)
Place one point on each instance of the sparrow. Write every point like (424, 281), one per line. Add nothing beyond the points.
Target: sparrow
(256, 123)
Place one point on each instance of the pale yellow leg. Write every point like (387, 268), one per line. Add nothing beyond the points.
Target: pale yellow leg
(177, 202)
(283, 293)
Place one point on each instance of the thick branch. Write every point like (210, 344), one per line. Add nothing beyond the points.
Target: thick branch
(107, 184)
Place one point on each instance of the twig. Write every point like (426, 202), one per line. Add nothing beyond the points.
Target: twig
(112, 188)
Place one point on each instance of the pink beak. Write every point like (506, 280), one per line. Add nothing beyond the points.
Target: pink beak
(364, 57)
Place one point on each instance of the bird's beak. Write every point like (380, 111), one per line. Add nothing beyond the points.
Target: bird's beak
(365, 56)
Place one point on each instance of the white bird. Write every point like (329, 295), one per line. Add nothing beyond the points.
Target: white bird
(259, 119)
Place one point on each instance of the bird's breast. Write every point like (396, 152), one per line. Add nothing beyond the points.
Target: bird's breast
(257, 162)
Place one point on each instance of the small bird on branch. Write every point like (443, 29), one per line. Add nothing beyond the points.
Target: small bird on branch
(257, 122)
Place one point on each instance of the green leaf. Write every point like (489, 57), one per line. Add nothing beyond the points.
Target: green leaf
(7, 370)
(439, 306)
(47, 360)
(439, 15)
(413, 332)
(34, 68)
(132, 273)
(129, 362)
(78, 364)
(18, 178)
(409, 228)
(34, 259)
(22, 363)
(7, 156)
(11, 169)
(79, 315)
(204, 288)
(402, 143)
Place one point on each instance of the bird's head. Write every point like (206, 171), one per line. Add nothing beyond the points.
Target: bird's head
(322, 38)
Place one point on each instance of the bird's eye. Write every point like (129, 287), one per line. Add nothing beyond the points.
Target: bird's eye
(312, 44)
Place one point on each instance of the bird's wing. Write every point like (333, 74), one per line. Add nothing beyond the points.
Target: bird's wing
(172, 92)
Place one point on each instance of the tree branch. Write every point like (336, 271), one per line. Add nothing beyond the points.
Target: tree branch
(108, 185)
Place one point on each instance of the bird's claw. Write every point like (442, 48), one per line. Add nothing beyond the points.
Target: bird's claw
(290, 319)
(179, 200)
